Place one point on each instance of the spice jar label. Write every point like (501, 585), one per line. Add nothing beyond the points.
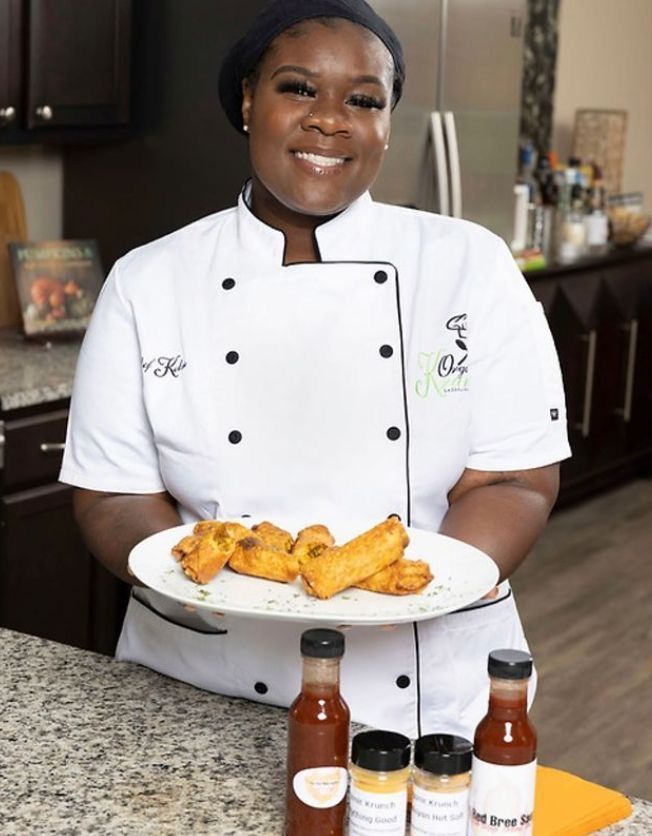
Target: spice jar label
(321, 786)
(441, 813)
(371, 813)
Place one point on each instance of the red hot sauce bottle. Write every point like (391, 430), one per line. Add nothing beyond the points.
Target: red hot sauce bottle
(318, 741)
(503, 772)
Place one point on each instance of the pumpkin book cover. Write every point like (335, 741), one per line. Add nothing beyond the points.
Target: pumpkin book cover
(58, 283)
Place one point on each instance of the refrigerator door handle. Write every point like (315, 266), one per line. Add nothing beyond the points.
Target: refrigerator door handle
(454, 164)
(439, 152)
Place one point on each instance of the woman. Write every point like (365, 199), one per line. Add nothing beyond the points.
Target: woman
(314, 355)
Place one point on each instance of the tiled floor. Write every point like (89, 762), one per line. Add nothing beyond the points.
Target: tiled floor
(585, 596)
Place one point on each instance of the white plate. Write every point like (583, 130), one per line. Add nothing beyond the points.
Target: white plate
(462, 574)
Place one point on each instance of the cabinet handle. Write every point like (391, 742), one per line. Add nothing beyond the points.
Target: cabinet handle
(44, 112)
(51, 447)
(7, 115)
(585, 424)
(2, 444)
(626, 410)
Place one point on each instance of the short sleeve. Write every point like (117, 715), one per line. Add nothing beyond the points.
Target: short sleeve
(109, 444)
(518, 409)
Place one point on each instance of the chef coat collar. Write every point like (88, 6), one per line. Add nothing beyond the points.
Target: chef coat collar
(337, 239)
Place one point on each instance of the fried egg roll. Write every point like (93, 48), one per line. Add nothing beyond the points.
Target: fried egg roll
(273, 536)
(254, 557)
(404, 577)
(185, 546)
(347, 565)
(208, 557)
(220, 528)
(311, 542)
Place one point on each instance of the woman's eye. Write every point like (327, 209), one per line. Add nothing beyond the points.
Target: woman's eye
(297, 88)
(360, 100)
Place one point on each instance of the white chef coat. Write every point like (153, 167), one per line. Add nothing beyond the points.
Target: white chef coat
(353, 388)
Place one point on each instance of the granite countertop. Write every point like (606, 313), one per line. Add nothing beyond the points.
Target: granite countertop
(34, 372)
(91, 745)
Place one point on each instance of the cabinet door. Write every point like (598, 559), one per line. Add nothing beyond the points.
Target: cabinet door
(45, 570)
(637, 398)
(78, 62)
(10, 62)
(588, 327)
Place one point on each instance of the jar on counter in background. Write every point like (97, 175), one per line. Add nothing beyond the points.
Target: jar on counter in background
(441, 781)
(380, 770)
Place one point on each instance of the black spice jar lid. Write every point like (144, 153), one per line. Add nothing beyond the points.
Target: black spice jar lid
(443, 754)
(510, 664)
(380, 751)
(321, 643)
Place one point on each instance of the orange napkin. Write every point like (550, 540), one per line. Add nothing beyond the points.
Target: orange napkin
(566, 805)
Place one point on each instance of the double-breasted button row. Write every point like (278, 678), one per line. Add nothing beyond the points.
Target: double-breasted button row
(385, 350)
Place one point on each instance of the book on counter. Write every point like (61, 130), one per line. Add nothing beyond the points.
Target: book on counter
(58, 283)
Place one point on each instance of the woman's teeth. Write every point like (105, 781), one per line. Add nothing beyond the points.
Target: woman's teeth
(319, 160)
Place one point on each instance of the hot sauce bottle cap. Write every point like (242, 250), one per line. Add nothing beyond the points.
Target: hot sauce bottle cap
(443, 754)
(322, 644)
(510, 664)
(380, 751)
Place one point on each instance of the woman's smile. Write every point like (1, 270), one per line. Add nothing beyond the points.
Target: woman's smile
(320, 163)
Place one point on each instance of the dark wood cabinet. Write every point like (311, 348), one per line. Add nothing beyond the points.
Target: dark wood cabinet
(11, 61)
(65, 69)
(46, 572)
(601, 319)
(50, 585)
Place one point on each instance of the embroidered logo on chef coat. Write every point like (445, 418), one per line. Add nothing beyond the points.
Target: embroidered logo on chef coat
(445, 370)
(163, 366)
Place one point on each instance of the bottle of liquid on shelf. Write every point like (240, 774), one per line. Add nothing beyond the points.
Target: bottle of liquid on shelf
(318, 741)
(503, 771)
(572, 239)
(596, 221)
(534, 233)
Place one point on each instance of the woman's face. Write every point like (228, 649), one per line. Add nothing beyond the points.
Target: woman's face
(319, 117)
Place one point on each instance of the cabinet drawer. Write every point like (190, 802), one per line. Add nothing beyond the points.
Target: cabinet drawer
(33, 449)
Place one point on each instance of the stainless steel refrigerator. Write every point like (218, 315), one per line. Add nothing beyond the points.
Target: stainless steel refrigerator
(454, 142)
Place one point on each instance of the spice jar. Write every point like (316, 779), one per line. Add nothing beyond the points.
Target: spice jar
(441, 781)
(380, 770)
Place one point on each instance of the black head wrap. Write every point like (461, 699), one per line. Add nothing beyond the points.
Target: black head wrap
(279, 15)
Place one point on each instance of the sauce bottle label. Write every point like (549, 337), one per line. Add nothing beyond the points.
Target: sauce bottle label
(321, 786)
(502, 798)
(371, 813)
(440, 813)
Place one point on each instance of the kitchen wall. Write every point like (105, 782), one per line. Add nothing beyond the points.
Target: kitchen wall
(605, 61)
(39, 170)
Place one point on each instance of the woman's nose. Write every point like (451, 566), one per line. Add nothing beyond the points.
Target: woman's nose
(328, 118)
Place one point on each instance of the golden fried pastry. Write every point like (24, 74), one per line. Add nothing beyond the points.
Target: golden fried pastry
(232, 529)
(311, 542)
(404, 577)
(208, 557)
(185, 546)
(340, 567)
(272, 535)
(254, 557)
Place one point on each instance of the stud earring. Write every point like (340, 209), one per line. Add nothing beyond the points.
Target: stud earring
(245, 128)
(387, 147)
